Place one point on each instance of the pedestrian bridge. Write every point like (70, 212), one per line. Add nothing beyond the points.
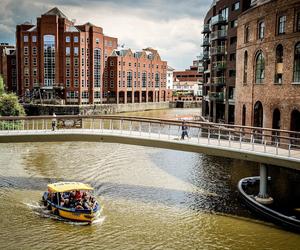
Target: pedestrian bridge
(266, 146)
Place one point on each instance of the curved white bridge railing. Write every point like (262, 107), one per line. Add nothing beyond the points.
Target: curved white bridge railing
(269, 146)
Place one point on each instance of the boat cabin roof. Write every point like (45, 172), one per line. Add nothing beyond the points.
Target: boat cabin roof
(60, 187)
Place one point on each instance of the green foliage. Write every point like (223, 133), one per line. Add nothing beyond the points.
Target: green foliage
(9, 105)
(1, 86)
(11, 125)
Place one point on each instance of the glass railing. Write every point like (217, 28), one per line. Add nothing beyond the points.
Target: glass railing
(218, 50)
(219, 65)
(206, 28)
(218, 34)
(218, 19)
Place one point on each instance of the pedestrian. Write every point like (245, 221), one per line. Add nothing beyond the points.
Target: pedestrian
(184, 130)
(53, 121)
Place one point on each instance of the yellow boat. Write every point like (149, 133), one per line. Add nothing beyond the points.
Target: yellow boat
(53, 199)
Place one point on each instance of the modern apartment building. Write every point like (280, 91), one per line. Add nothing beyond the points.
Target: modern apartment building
(134, 77)
(60, 62)
(268, 72)
(219, 59)
(8, 68)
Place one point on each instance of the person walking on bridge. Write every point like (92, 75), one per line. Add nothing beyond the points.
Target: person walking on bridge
(184, 130)
(53, 121)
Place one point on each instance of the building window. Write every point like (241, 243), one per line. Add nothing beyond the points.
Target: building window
(34, 50)
(68, 61)
(76, 53)
(236, 6)
(298, 22)
(68, 84)
(129, 79)
(232, 73)
(25, 39)
(97, 40)
(26, 71)
(245, 67)
(111, 63)
(97, 94)
(233, 24)
(144, 79)
(246, 33)
(82, 51)
(260, 68)
(76, 72)
(111, 74)
(233, 40)
(67, 39)
(34, 39)
(75, 39)
(279, 64)
(261, 30)
(67, 51)
(67, 72)
(26, 50)
(281, 24)
(111, 84)
(97, 68)
(76, 83)
(85, 94)
(34, 72)
(26, 82)
(76, 61)
(26, 61)
(34, 61)
(297, 63)
(157, 80)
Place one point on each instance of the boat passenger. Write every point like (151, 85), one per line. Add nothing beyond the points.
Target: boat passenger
(77, 195)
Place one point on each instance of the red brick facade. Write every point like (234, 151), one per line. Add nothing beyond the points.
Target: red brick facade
(59, 62)
(134, 77)
(8, 68)
(269, 95)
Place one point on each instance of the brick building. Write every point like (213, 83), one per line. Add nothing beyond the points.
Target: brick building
(268, 75)
(8, 68)
(219, 54)
(133, 77)
(187, 84)
(60, 62)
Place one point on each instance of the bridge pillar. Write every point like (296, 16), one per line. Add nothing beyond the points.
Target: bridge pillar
(263, 196)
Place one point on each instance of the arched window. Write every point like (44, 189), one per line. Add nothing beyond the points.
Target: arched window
(245, 67)
(261, 29)
(260, 68)
(279, 65)
(244, 116)
(49, 60)
(297, 63)
(258, 114)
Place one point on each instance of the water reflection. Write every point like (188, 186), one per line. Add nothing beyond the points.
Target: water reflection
(153, 199)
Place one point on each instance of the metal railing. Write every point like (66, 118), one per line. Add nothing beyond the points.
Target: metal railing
(261, 140)
(218, 34)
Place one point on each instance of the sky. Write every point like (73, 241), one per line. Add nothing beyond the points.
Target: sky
(173, 27)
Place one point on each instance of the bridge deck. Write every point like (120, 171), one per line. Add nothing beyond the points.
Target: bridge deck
(231, 148)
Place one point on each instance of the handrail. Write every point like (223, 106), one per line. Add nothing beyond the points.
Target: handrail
(195, 124)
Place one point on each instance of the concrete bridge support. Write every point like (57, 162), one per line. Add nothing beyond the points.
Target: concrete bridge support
(263, 196)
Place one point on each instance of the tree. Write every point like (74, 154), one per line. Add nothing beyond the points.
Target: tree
(1, 86)
(9, 105)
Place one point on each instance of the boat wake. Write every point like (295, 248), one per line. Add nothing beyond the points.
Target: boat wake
(42, 211)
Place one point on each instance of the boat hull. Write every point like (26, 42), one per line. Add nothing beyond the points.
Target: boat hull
(288, 222)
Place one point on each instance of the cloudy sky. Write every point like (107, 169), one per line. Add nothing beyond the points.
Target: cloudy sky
(171, 26)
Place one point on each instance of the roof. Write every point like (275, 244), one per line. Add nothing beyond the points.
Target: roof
(68, 186)
(72, 29)
(55, 12)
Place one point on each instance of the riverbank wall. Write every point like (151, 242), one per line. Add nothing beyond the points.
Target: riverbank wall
(99, 109)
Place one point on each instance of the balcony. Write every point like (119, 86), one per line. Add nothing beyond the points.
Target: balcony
(218, 19)
(200, 69)
(219, 35)
(218, 50)
(219, 81)
(217, 96)
(206, 42)
(206, 28)
(205, 54)
(219, 65)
